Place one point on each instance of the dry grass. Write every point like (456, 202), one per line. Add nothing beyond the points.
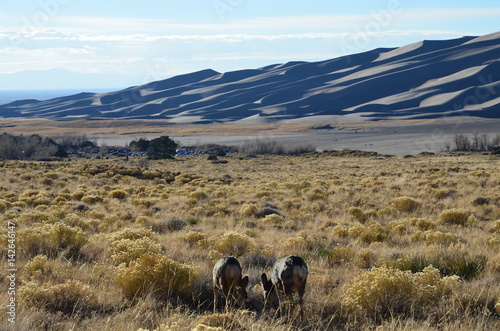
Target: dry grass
(140, 252)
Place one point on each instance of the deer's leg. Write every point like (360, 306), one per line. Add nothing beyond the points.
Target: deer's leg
(216, 298)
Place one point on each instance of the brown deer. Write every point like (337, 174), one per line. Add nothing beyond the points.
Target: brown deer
(227, 277)
(289, 276)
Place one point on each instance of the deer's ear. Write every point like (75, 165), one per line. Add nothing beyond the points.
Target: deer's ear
(244, 282)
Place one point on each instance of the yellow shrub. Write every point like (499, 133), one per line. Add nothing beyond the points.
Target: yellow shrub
(383, 292)
(227, 321)
(496, 226)
(4, 205)
(340, 255)
(51, 239)
(39, 264)
(357, 213)
(129, 233)
(273, 219)
(91, 199)
(68, 297)
(127, 250)
(193, 238)
(248, 210)
(233, 243)
(406, 204)
(198, 195)
(423, 224)
(340, 231)
(295, 244)
(77, 195)
(118, 194)
(157, 275)
(435, 237)
(454, 216)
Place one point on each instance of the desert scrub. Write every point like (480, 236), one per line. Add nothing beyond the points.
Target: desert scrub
(233, 243)
(432, 237)
(380, 293)
(92, 199)
(157, 275)
(195, 238)
(118, 194)
(274, 220)
(423, 224)
(358, 214)
(51, 240)
(69, 297)
(128, 250)
(248, 210)
(456, 217)
(131, 233)
(406, 204)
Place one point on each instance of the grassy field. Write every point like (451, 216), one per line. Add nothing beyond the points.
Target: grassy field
(400, 243)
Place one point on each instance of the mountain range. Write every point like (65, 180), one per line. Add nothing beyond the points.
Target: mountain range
(428, 79)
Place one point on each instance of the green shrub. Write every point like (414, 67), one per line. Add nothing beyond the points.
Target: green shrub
(464, 265)
(157, 275)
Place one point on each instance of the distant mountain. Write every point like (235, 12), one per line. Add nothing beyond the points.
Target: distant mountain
(58, 79)
(423, 80)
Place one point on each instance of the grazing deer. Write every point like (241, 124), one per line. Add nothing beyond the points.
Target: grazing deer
(227, 277)
(289, 276)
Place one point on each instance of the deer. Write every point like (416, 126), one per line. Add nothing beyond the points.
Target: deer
(227, 278)
(289, 276)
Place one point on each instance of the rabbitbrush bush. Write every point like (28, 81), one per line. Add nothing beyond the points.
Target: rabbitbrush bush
(68, 297)
(157, 275)
(51, 239)
(233, 243)
(406, 204)
(455, 217)
(128, 250)
(383, 292)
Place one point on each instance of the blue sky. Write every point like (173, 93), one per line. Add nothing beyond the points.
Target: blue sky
(122, 43)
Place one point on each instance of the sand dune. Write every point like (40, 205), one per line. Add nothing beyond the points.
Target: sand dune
(422, 80)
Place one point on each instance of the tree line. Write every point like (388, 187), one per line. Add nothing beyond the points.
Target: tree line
(476, 142)
(29, 147)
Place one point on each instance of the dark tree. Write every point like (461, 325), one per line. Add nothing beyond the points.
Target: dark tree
(139, 145)
(161, 148)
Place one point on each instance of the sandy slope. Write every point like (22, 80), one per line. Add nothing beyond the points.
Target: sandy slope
(422, 80)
